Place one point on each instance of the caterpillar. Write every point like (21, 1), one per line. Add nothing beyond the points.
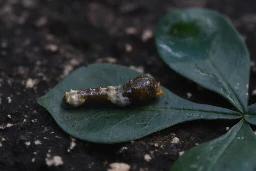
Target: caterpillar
(138, 90)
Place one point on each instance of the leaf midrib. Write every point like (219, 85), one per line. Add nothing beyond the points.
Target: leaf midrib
(193, 110)
(228, 87)
(224, 148)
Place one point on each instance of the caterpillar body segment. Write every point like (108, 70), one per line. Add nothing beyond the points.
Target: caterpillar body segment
(138, 90)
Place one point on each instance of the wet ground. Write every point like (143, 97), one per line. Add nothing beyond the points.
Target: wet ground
(42, 41)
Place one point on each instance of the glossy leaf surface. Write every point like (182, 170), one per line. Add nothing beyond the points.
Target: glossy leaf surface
(112, 125)
(203, 46)
(250, 116)
(234, 151)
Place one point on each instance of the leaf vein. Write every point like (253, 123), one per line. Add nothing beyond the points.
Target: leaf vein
(224, 148)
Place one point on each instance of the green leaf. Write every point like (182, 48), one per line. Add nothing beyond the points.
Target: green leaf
(250, 115)
(233, 151)
(112, 125)
(203, 46)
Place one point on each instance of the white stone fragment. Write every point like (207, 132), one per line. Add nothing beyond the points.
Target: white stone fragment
(175, 140)
(131, 30)
(119, 167)
(122, 149)
(147, 157)
(189, 95)
(181, 153)
(4, 45)
(156, 144)
(9, 99)
(74, 62)
(53, 161)
(34, 120)
(254, 92)
(67, 70)
(41, 21)
(9, 125)
(30, 83)
(128, 47)
(37, 142)
(72, 145)
(52, 47)
(27, 143)
(108, 59)
(252, 63)
(146, 35)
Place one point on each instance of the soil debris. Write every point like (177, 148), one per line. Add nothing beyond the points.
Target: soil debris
(147, 157)
(175, 140)
(9, 99)
(119, 167)
(53, 160)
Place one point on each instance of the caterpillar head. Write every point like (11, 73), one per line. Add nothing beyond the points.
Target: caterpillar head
(144, 88)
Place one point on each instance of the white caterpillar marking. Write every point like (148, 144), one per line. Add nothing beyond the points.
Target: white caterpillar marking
(115, 97)
(73, 98)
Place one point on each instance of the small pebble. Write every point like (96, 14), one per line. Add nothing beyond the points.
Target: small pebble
(72, 145)
(189, 95)
(254, 92)
(175, 140)
(156, 145)
(128, 47)
(67, 70)
(252, 63)
(52, 47)
(41, 21)
(131, 30)
(27, 143)
(108, 59)
(53, 161)
(30, 83)
(74, 62)
(37, 142)
(9, 99)
(9, 125)
(147, 157)
(181, 153)
(4, 45)
(119, 167)
(123, 149)
(146, 35)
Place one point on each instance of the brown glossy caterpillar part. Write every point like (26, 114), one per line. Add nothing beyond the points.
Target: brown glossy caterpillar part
(138, 90)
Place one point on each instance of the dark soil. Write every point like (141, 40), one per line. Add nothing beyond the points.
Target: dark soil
(41, 41)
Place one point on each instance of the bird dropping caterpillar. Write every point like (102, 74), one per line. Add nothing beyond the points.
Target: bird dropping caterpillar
(141, 89)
